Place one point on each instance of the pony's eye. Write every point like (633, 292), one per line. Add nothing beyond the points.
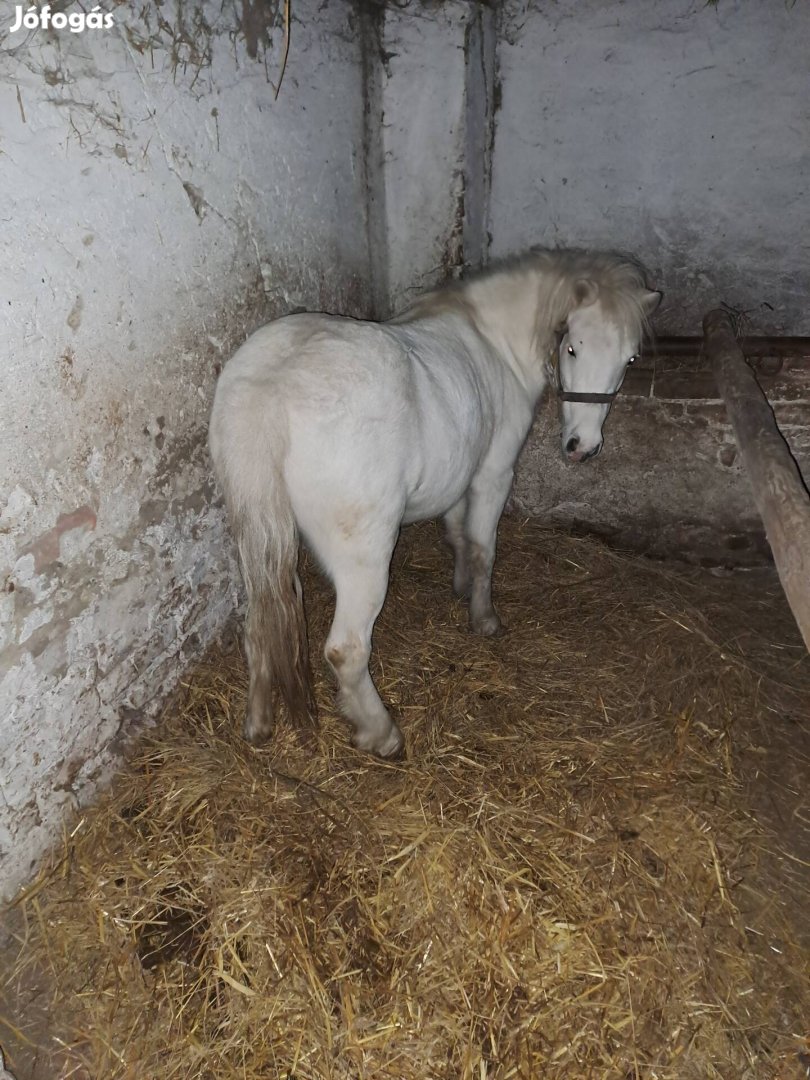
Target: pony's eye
(571, 350)
(633, 359)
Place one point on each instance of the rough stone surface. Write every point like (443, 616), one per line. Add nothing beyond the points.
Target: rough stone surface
(669, 480)
(159, 203)
(672, 129)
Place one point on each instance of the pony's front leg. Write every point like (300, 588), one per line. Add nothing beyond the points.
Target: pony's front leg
(361, 590)
(454, 521)
(487, 496)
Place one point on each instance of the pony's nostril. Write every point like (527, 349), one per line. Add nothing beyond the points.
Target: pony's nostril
(572, 444)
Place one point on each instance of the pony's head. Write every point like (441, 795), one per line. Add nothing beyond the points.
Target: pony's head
(600, 338)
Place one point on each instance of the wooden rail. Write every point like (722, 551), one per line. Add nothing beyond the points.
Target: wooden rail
(751, 346)
(780, 495)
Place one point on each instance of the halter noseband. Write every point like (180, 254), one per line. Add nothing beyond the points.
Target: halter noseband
(591, 399)
(573, 395)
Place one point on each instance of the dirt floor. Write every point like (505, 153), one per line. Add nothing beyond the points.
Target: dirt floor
(594, 861)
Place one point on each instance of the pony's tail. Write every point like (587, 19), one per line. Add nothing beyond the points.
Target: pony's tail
(267, 540)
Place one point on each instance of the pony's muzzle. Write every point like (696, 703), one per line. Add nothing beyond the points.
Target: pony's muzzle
(574, 451)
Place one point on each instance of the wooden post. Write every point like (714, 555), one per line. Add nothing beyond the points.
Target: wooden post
(780, 495)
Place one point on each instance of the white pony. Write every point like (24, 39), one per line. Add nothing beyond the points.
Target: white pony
(5, 1074)
(342, 431)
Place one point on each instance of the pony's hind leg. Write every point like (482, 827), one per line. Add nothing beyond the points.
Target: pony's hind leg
(454, 521)
(360, 576)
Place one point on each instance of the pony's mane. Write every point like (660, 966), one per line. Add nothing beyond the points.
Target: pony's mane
(619, 279)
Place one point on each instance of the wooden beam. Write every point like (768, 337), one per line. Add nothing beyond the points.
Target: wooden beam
(751, 346)
(780, 494)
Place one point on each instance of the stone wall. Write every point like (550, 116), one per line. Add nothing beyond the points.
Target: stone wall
(159, 202)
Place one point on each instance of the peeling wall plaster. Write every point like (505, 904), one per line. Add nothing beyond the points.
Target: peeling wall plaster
(159, 202)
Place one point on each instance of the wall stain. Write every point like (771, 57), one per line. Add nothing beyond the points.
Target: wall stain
(46, 549)
(256, 23)
(74, 319)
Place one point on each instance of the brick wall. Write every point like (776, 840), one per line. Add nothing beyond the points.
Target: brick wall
(669, 480)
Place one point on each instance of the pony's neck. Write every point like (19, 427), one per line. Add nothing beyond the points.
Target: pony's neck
(506, 312)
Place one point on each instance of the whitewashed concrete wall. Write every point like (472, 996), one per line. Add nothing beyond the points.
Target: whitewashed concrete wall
(431, 103)
(420, 108)
(673, 129)
(158, 203)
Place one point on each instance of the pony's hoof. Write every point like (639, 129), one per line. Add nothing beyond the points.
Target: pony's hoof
(389, 746)
(487, 626)
(256, 732)
(398, 754)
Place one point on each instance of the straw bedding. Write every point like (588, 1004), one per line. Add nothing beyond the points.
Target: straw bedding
(563, 879)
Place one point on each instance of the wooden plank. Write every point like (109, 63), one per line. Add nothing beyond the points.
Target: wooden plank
(751, 346)
(780, 494)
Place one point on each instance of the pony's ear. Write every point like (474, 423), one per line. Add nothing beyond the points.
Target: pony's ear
(585, 292)
(650, 302)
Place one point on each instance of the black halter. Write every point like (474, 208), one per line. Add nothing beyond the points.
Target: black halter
(573, 395)
(591, 399)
